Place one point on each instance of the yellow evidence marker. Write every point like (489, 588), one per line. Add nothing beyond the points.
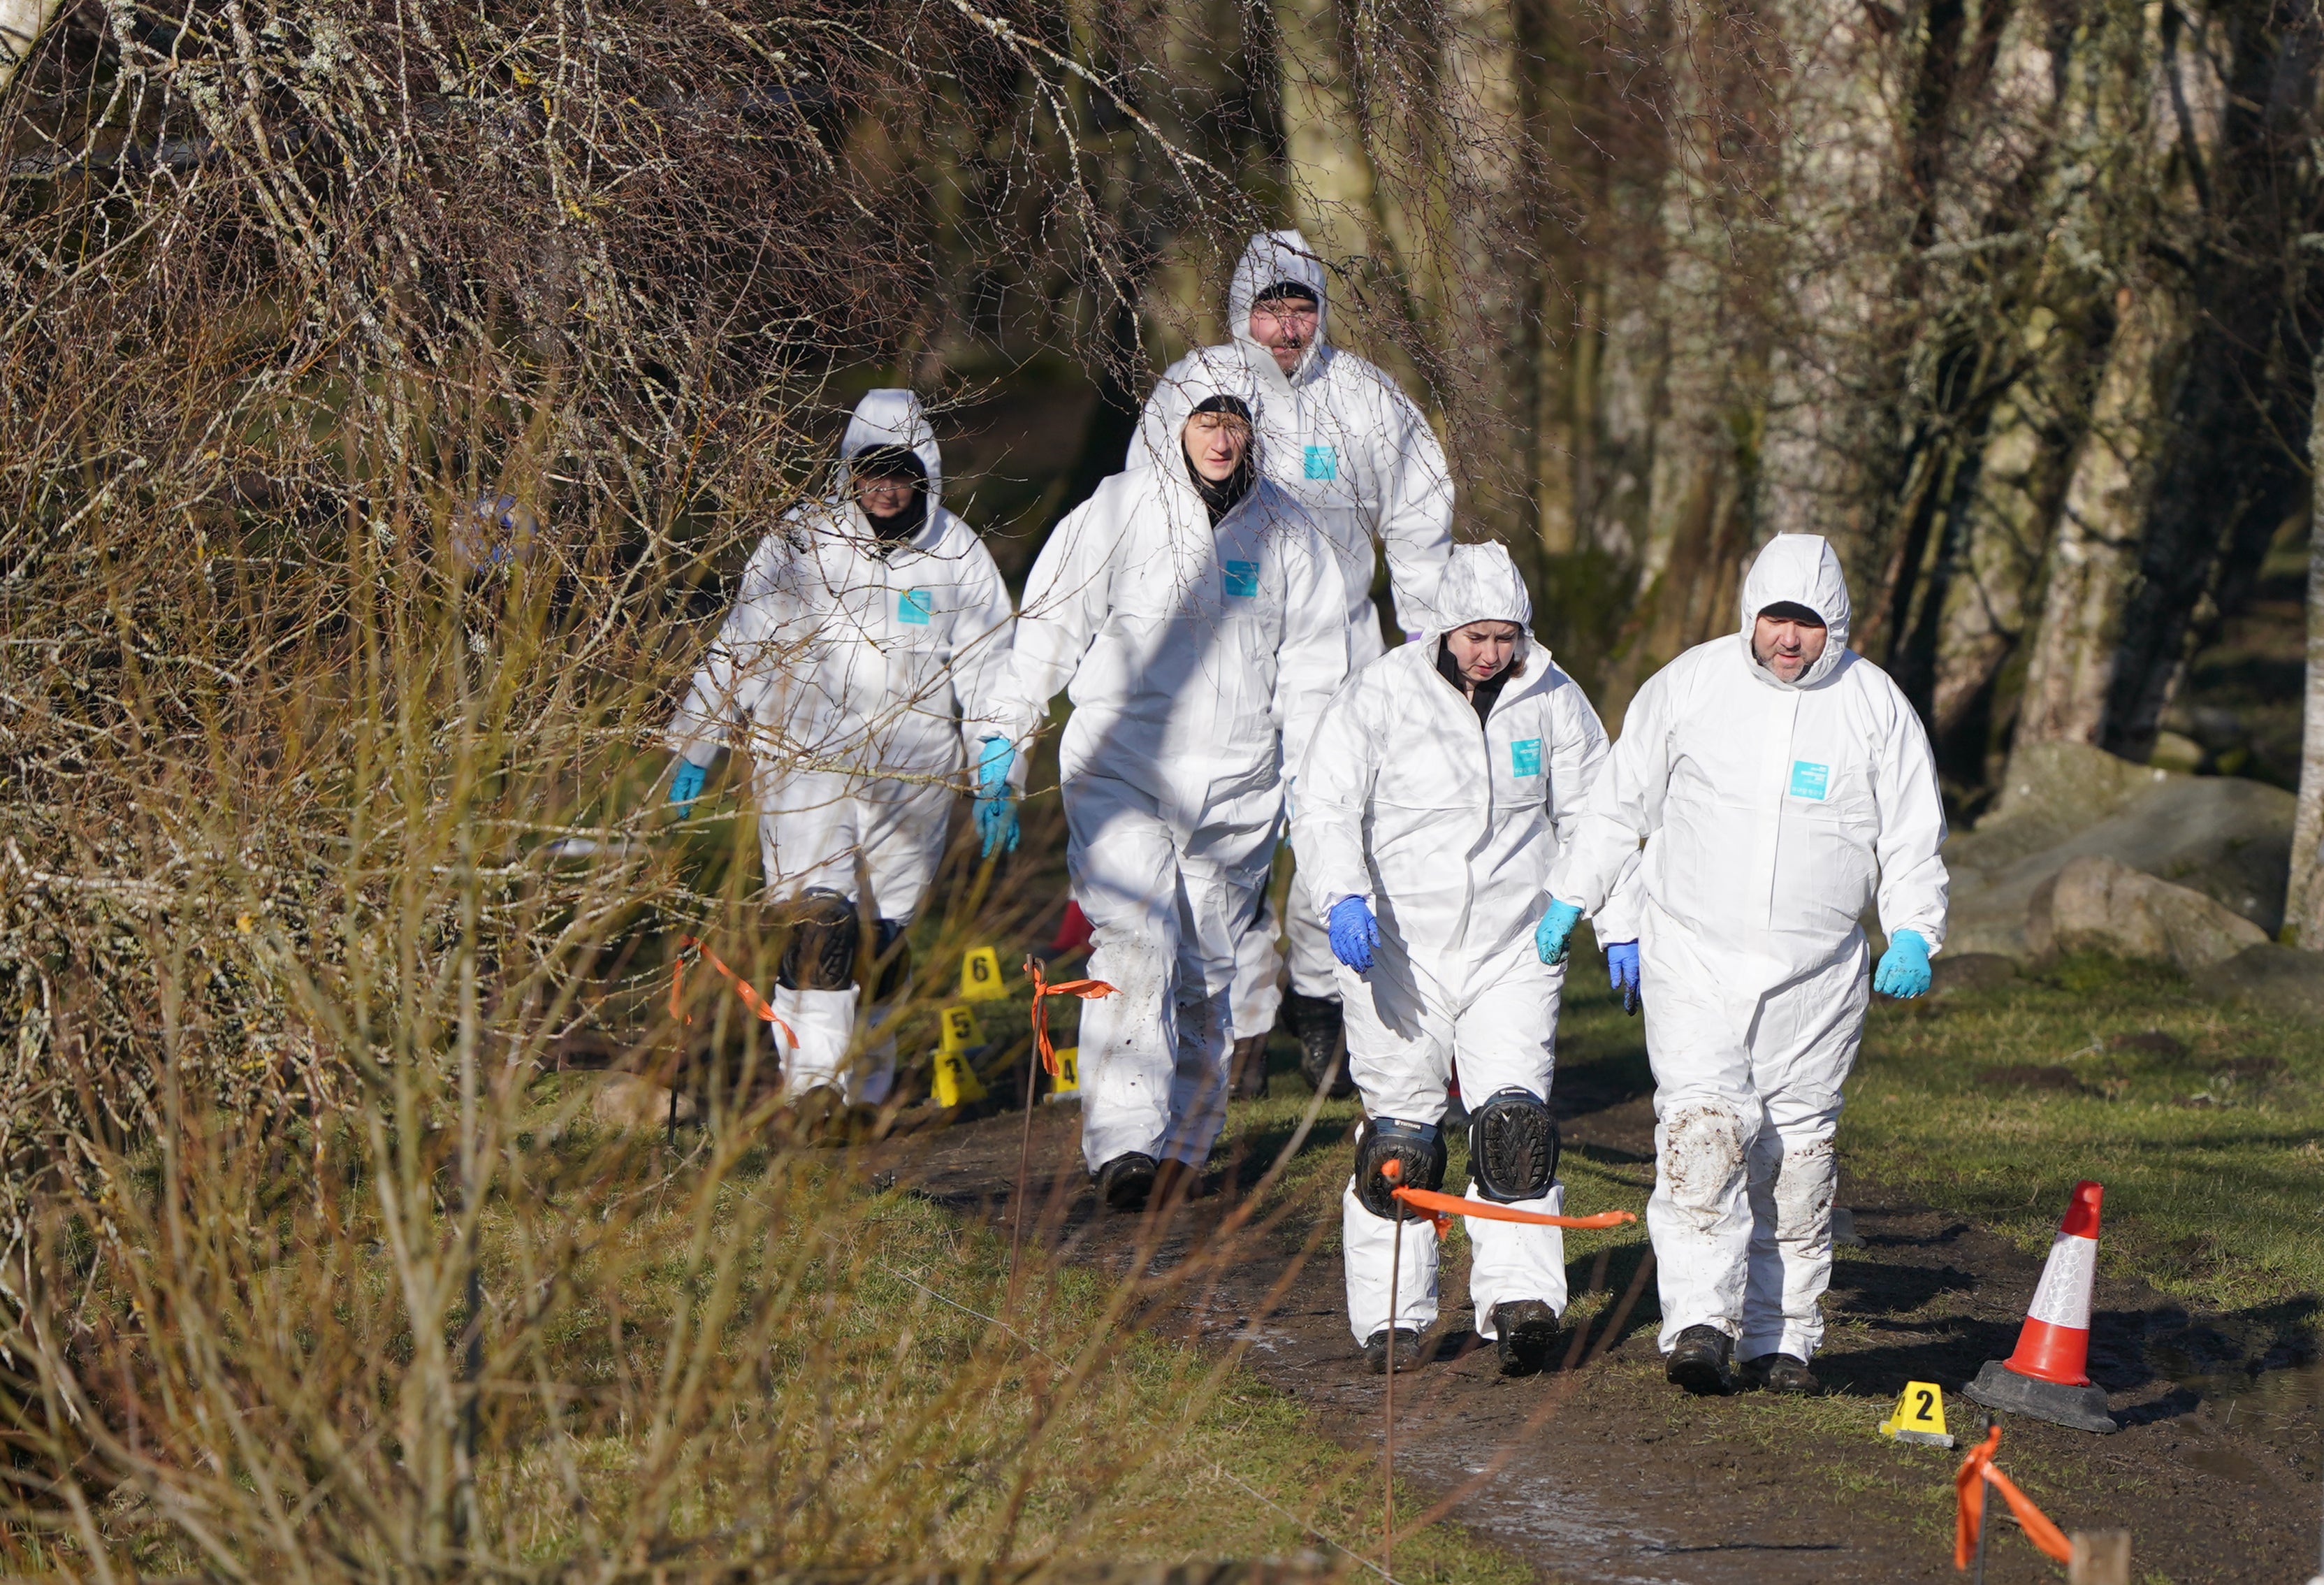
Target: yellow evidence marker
(955, 1080)
(1919, 1417)
(1067, 1085)
(980, 975)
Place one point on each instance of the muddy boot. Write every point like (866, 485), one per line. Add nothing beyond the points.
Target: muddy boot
(1247, 1067)
(1783, 1373)
(1317, 1023)
(1125, 1181)
(1174, 1183)
(1700, 1363)
(1528, 1330)
(1408, 1350)
(817, 1117)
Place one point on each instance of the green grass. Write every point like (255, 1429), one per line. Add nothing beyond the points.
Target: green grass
(2212, 1150)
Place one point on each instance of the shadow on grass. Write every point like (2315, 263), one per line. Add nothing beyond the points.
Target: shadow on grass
(2211, 1356)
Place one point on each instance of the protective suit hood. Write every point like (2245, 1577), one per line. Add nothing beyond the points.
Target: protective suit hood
(1480, 584)
(1273, 258)
(890, 417)
(1202, 374)
(1803, 569)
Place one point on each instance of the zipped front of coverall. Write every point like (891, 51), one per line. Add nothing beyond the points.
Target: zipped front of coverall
(1459, 938)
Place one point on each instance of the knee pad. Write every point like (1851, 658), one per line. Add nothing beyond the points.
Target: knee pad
(821, 952)
(895, 972)
(1419, 1147)
(1513, 1146)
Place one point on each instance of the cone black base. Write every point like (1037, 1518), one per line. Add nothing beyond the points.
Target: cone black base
(2079, 1409)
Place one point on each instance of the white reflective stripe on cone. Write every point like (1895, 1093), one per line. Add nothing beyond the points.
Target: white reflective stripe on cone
(2063, 1298)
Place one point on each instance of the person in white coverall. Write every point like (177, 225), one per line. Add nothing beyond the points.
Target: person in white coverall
(1439, 786)
(1197, 618)
(864, 661)
(1779, 782)
(1337, 436)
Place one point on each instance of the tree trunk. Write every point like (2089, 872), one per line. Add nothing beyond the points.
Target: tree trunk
(2231, 475)
(1329, 174)
(2094, 553)
(2303, 908)
(1845, 228)
(21, 23)
(1681, 366)
(1995, 582)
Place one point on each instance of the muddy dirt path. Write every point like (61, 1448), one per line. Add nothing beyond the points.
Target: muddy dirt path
(1607, 1474)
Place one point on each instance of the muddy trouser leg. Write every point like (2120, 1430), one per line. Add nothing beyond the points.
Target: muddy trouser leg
(1366, 1243)
(1123, 859)
(1506, 1037)
(1259, 973)
(1802, 1047)
(1705, 1114)
(810, 835)
(1222, 868)
(904, 826)
(1399, 1047)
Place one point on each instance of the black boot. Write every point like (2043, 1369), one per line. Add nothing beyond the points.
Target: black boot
(1124, 1182)
(1456, 1111)
(1248, 1068)
(1174, 1183)
(1701, 1362)
(1408, 1350)
(1317, 1023)
(1528, 1329)
(1785, 1373)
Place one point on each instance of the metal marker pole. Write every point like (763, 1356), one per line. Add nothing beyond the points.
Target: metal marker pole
(1387, 1506)
(1984, 1513)
(1024, 1162)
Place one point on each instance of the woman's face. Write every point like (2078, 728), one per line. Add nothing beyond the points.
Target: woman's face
(1482, 650)
(1215, 443)
(884, 494)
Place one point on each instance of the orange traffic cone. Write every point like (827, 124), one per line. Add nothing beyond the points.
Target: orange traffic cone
(2046, 1377)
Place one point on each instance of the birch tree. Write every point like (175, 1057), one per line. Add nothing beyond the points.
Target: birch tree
(21, 23)
(2303, 910)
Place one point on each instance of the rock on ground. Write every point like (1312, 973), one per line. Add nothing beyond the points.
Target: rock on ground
(2220, 835)
(2098, 905)
(2279, 979)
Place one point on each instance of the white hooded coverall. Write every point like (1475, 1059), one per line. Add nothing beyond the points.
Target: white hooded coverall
(1338, 436)
(1771, 813)
(1197, 658)
(1446, 827)
(856, 674)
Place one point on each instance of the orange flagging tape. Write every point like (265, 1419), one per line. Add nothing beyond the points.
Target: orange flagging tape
(1087, 990)
(1446, 1206)
(1969, 1487)
(750, 997)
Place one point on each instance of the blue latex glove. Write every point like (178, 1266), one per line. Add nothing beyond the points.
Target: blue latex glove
(1903, 969)
(996, 800)
(1622, 971)
(686, 785)
(1556, 925)
(1354, 933)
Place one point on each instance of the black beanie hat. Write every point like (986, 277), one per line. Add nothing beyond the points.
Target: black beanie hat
(889, 462)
